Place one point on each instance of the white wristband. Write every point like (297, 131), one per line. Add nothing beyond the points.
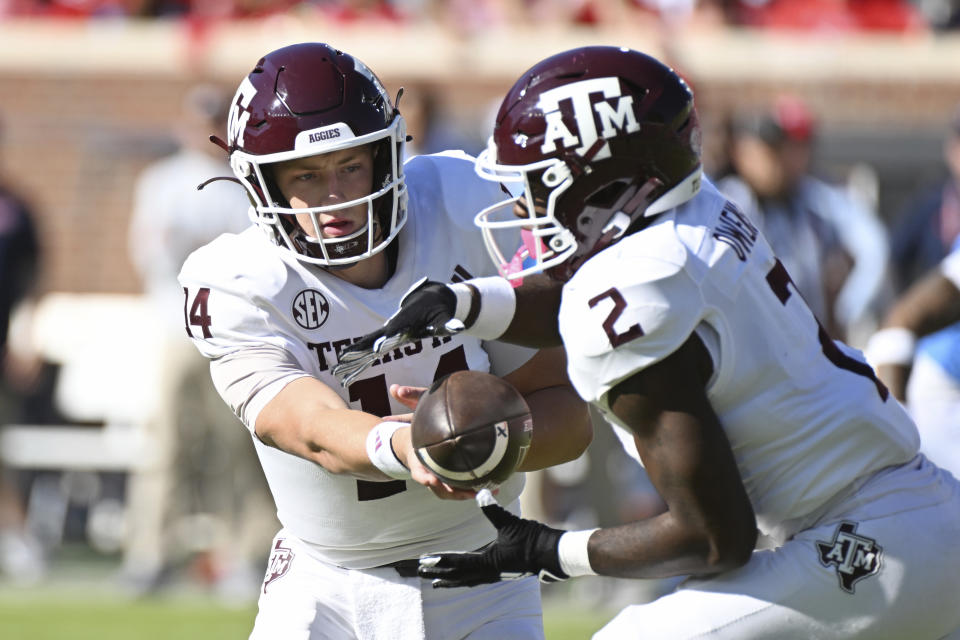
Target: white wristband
(893, 345)
(485, 306)
(572, 550)
(381, 452)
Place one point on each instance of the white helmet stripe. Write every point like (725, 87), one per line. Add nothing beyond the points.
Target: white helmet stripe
(488, 465)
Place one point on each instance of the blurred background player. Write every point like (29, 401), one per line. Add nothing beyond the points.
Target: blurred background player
(834, 247)
(344, 230)
(929, 224)
(204, 493)
(21, 556)
(917, 350)
(917, 354)
(682, 325)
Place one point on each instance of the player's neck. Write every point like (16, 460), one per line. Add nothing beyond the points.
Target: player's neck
(371, 273)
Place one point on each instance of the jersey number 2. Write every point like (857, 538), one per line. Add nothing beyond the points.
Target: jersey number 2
(619, 304)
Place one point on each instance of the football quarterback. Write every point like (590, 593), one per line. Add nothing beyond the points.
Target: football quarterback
(343, 227)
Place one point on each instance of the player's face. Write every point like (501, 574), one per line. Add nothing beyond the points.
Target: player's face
(328, 179)
(795, 159)
(520, 207)
(758, 164)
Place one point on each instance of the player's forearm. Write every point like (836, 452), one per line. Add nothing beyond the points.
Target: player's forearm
(928, 306)
(339, 444)
(335, 439)
(562, 430)
(309, 420)
(661, 547)
(491, 308)
(709, 525)
(534, 322)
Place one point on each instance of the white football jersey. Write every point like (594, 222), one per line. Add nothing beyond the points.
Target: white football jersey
(805, 415)
(264, 319)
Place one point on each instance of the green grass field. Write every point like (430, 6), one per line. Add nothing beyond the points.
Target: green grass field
(53, 618)
(46, 613)
(82, 600)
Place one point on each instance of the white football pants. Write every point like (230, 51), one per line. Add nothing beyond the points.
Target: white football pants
(302, 598)
(883, 565)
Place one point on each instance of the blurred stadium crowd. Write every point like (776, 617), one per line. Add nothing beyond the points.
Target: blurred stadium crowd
(196, 509)
(469, 15)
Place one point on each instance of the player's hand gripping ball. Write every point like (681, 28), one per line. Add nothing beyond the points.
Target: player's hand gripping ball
(471, 429)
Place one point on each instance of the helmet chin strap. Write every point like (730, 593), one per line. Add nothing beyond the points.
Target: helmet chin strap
(625, 215)
(616, 227)
(623, 218)
(311, 246)
(215, 179)
(337, 249)
(217, 140)
(635, 209)
(641, 197)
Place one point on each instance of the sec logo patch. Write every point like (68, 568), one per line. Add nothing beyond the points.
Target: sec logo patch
(310, 309)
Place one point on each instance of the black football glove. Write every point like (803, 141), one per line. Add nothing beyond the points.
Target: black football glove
(426, 310)
(522, 548)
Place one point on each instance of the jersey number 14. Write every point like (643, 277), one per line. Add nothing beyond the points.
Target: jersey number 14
(197, 316)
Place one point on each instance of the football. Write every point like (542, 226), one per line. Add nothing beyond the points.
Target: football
(471, 429)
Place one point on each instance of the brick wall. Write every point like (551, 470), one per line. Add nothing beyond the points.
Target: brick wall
(73, 147)
(74, 142)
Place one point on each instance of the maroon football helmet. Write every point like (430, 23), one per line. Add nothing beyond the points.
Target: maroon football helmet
(597, 138)
(308, 99)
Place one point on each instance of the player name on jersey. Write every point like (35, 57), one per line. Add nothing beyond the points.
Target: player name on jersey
(734, 229)
(326, 351)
